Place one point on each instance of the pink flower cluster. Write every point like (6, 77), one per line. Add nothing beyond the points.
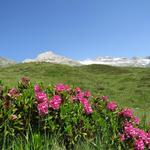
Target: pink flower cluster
(13, 92)
(87, 94)
(148, 139)
(61, 87)
(55, 102)
(42, 100)
(83, 99)
(136, 120)
(104, 98)
(122, 137)
(43, 108)
(77, 90)
(41, 97)
(140, 137)
(127, 113)
(86, 105)
(37, 88)
(44, 103)
(139, 144)
(112, 106)
(130, 129)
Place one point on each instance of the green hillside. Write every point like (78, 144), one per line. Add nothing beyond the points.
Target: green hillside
(128, 86)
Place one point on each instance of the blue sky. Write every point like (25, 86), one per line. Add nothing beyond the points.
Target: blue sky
(78, 29)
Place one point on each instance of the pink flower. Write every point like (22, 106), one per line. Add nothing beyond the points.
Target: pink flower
(87, 94)
(111, 106)
(83, 100)
(13, 92)
(61, 87)
(141, 134)
(43, 108)
(80, 95)
(122, 137)
(37, 88)
(126, 112)
(41, 97)
(88, 109)
(104, 98)
(86, 105)
(42, 100)
(130, 131)
(55, 102)
(148, 140)
(67, 87)
(136, 120)
(139, 144)
(128, 124)
(77, 89)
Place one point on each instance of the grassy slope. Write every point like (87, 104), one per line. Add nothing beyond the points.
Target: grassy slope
(128, 86)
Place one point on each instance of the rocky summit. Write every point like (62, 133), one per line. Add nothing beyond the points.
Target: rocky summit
(119, 61)
(51, 57)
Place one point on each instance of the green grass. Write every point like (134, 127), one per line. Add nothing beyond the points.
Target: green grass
(128, 86)
(39, 142)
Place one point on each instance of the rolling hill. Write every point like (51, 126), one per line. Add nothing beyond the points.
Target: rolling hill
(127, 85)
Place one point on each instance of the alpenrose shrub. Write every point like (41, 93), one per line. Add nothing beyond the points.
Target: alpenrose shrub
(71, 114)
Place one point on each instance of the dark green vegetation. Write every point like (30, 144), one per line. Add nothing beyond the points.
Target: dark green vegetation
(128, 86)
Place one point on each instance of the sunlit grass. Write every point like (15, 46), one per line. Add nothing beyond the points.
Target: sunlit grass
(128, 86)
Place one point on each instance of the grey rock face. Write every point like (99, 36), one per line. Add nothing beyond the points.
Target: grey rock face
(53, 58)
(6, 62)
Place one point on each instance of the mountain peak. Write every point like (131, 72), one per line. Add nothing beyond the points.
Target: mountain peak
(5, 62)
(48, 55)
(119, 61)
(51, 57)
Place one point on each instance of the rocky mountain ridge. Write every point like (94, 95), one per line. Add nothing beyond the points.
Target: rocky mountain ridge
(119, 61)
(51, 57)
(6, 62)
